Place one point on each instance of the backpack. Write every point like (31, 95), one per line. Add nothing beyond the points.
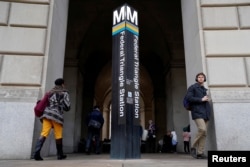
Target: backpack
(41, 105)
(186, 103)
(94, 124)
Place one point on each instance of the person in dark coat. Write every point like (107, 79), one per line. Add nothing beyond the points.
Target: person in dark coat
(167, 142)
(151, 140)
(94, 122)
(200, 111)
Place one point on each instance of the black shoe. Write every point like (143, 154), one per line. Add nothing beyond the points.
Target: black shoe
(59, 147)
(38, 158)
(201, 156)
(193, 153)
(61, 157)
(87, 151)
(38, 148)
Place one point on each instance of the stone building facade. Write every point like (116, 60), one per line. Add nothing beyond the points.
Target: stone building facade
(39, 42)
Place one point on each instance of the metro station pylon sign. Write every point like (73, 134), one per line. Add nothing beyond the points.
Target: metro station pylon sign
(125, 129)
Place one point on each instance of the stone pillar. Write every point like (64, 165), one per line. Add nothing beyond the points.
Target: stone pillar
(105, 129)
(216, 38)
(31, 57)
(177, 117)
(72, 119)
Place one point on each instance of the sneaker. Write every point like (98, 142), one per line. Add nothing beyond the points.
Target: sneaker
(193, 153)
(201, 156)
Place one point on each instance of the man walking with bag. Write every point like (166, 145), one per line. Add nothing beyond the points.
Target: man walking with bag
(94, 122)
(200, 110)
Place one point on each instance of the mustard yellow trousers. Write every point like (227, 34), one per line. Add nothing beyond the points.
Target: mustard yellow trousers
(48, 125)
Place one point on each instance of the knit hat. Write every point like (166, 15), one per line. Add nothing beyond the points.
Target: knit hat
(59, 81)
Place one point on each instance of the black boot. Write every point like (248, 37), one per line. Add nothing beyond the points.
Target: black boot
(59, 146)
(38, 148)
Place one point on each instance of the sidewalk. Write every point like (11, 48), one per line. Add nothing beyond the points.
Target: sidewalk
(103, 160)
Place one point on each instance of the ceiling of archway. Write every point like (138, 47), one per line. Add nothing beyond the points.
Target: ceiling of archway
(89, 39)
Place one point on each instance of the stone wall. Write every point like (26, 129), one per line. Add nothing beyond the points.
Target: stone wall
(226, 31)
(26, 54)
(217, 44)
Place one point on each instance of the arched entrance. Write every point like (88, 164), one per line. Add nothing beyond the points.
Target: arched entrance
(162, 69)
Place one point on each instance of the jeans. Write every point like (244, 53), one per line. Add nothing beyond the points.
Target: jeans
(92, 132)
(186, 146)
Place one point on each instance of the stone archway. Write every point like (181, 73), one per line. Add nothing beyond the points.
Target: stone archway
(103, 97)
(89, 43)
(88, 50)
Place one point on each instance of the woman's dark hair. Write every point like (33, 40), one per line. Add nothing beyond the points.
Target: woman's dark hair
(59, 81)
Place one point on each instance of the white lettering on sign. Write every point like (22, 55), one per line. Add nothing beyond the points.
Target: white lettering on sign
(136, 78)
(125, 12)
(137, 105)
(122, 75)
(122, 103)
(136, 62)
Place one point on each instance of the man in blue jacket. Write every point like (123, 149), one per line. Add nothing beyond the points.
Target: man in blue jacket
(94, 122)
(200, 111)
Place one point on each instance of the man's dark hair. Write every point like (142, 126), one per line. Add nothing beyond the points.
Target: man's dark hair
(201, 73)
(96, 106)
